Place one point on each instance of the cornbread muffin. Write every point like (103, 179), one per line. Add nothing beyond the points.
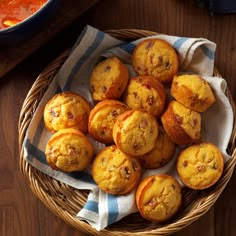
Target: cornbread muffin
(162, 152)
(145, 92)
(102, 118)
(155, 57)
(193, 92)
(200, 166)
(66, 110)
(158, 197)
(182, 124)
(109, 79)
(135, 132)
(69, 150)
(115, 172)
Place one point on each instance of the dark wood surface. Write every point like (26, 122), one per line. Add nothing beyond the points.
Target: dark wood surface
(21, 213)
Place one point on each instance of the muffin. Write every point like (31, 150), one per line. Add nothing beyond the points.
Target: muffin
(102, 118)
(109, 79)
(183, 125)
(161, 154)
(193, 92)
(158, 197)
(135, 132)
(200, 166)
(115, 172)
(69, 150)
(66, 110)
(155, 57)
(145, 92)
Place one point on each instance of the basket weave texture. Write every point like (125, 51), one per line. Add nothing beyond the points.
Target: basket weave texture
(66, 201)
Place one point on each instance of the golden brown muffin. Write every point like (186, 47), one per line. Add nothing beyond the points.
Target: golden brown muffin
(66, 110)
(200, 166)
(69, 150)
(135, 132)
(161, 154)
(193, 92)
(109, 79)
(145, 92)
(115, 172)
(182, 124)
(155, 57)
(158, 197)
(102, 118)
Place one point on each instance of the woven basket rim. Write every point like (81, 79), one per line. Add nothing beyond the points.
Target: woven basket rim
(40, 183)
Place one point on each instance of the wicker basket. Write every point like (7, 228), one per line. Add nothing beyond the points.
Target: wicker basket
(66, 201)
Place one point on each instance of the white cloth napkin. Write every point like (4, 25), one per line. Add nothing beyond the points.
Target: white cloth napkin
(196, 55)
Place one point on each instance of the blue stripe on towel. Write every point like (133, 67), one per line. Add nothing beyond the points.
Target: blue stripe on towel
(127, 47)
(209, 53)
(179, 42)
(91, 206)
(83, 176)
(84, 32)
(35, 152)
(112, 208)
(97, 41)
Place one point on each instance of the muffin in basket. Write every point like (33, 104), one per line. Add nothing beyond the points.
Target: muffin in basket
(162, 152)
(115, 172)
(135, 132)
(155, 57)
(69, 150)
(158, 197)
(67, 110)
(109, 79)
(145, 92)
(192, 91)
(102, 118)
(183, 125)
(200, 166)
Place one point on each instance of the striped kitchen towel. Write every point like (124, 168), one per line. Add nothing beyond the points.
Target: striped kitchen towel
(195, 55)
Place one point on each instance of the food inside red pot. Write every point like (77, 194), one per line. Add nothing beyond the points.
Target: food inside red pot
(15, 11)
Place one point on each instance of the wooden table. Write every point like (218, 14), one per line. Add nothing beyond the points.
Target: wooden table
(21, 213)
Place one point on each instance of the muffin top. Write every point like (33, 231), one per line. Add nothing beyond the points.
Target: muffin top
(192, 91)
(158, 197)
(188, 119)
(200, 166)
(183, 125)
(115, 172)
(102, 118)
(145, 92)
(162, 152)
(66, 110)
(69, 150)
(155, 57)
(135, 132)
(109, 79)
